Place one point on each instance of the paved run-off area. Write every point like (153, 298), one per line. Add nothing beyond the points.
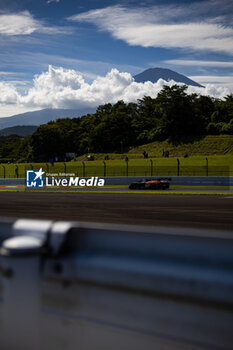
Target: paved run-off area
(211, 212)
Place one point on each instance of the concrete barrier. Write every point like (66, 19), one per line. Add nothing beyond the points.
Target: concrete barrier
(12, 182)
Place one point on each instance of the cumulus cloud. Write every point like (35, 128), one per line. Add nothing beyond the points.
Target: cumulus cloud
(167, 26)
(210, 90)
(8, 94)
(66, 88)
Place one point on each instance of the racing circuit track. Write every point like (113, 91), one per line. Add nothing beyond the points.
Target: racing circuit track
(193, 211)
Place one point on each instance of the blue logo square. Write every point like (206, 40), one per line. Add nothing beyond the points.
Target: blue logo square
(35, 178)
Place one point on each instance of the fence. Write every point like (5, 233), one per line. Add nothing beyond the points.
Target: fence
(111, 168)
(68, 285)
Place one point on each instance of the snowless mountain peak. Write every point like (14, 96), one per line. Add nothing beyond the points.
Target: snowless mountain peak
(154, 74)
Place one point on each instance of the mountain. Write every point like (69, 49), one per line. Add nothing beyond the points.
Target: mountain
(18, 130)
(154, 74)
(42, 117)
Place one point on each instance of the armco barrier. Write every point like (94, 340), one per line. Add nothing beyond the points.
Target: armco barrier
(175, 180)
(69, 286)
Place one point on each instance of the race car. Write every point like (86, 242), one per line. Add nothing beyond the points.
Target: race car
(149, 184)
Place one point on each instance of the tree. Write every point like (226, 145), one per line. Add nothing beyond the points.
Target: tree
(176, 112)
(47, 143)
(223, 110)
(145, 119)
(9, 146)
(114, 129)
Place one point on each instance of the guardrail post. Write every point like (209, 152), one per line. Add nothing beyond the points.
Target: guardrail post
(151, 167)
(207, 167)
(31, 166)
(84, 169)
(64, 167)
(104, 168)
(21, 276)
(4, 171)
(178, 167)
(21, 256)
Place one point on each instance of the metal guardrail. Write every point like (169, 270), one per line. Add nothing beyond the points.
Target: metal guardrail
(94, 286)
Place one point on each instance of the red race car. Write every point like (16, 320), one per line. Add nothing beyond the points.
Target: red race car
(151, 184)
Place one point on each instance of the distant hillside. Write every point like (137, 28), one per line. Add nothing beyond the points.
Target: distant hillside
(42, 117)
(18, 130)
(154, 74)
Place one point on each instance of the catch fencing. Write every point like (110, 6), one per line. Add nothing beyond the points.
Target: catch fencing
(110, 168)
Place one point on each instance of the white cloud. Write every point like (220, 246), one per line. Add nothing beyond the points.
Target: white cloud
(49, 1)
(217, 80)
(162, 26)
(11, 110)
(23, 23)
(66, 88)
(8, 94)
(200, 63)
(210, 90)
(6, 73)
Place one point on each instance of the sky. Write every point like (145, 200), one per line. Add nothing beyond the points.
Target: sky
(83, 53)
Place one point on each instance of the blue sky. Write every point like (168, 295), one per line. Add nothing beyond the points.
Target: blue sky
(60, 53)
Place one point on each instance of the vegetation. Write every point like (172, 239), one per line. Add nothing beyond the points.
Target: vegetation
(9, 146)
(173, 115)
(193, 146)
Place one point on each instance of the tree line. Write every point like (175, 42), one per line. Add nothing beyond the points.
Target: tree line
(172, 115)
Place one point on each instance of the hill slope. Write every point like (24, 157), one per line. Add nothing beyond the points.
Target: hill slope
(18, 130)
(42, 117)
(205, 146)
(154, 74)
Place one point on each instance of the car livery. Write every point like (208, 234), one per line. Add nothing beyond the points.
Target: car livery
(150, 184)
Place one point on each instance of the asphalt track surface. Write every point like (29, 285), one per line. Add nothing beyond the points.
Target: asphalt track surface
(201, 189)
(193, 211)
